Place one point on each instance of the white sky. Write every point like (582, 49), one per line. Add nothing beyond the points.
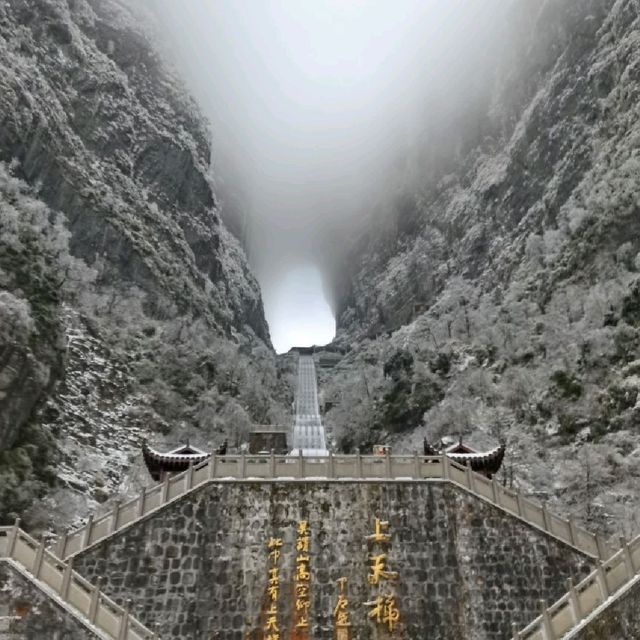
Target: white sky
(310, 102)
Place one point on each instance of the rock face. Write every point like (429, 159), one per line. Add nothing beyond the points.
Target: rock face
(92, 115)
(142, 318)
(511, 282)
(201, 566)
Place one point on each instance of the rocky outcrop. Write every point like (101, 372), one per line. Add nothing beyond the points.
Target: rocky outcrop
(558, 132)
(127, 310)
(93, 116)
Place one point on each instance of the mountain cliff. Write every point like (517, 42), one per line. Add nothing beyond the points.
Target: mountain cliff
(127, 309)
(498, 298)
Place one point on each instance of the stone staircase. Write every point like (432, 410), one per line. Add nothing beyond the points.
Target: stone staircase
(57, 580)
(330, 468)
(601, 588)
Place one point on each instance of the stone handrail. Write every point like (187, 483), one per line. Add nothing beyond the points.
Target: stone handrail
(89, 605)
(562, 618)
(331, 467)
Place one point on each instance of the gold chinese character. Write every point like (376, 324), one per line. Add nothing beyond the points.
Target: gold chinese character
(274, 555)
(272, 610)
(302, 591)
(274, 543)
(384, 611)
(273, 592)
(378, 569)
(342, 605)
(379, 535)
(272, 624)
(302, 558)
(272, 636)
(302, 572)
(391, 614)
(274, 578)
(302, 605)
(302, 544)
(342, 619)
(303, 622)
(341, 584)
(303, 528)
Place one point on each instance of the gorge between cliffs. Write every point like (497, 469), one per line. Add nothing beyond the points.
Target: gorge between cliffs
(483, 272)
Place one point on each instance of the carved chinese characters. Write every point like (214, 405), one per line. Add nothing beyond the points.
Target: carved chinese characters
(383, 608)
(302, 579)
(271, 627)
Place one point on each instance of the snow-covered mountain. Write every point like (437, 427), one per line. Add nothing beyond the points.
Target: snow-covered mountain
(127, 309)
(500, 298)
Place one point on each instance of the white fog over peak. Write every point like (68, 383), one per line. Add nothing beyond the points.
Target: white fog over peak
(311, 105)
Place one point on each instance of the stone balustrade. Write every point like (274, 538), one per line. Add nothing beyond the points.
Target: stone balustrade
(605, 583)
(332, 468)
(83, 599)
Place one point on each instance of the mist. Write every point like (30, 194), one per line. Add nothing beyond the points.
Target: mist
(313, 105)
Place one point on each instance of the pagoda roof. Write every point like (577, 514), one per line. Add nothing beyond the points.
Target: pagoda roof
(173, 461)
(487, 462)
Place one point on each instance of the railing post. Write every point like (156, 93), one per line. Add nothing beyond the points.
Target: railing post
(142, 499)
(188, 477)
(359, 465)
(272, 464)
(115, 515)
(66, 579)
(574, 602)
(495, 490)
(300, 464)
(95, 600)
(330, 470)
(446, 473)
(61, 546)
(387, 463)
(601, 577)
(88, 529)
(519, 503)
(213, 459)
(546, 622)
(469, 475)
(243, 465)
(628, 558)
(546, 519)
(13, 538)
(124, 623)
(165, 489)
(601, 545)
(573, 532)
(39, 558)
(515, 631)
(417, 466)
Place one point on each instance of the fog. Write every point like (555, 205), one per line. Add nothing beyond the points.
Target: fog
(313, 104)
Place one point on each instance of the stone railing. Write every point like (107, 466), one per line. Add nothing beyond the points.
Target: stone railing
(330, 468)
(562, 618)
(84, 600)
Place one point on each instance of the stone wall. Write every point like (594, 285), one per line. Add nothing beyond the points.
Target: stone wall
(619, 621)
(199, 568)
(42, 618)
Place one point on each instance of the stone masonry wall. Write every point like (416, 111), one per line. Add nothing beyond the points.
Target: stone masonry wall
(199, 568)
(42, 617)
(618, 621)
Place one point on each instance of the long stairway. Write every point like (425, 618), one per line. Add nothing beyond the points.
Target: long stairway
(308, 431)
(602, 588)
(56, 580)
